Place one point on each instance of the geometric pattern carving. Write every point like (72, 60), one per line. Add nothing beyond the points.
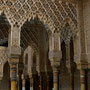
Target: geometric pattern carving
(66, 33)
(3, 54)
(49, 11)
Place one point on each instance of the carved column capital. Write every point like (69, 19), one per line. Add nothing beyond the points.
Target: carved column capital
(13, 61)
(14, 51)
(55, 58)
(82, 65)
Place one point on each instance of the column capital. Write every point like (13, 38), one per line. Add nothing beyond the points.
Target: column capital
(55, 58)
(13, 61)
(55, 69)
(55, 55)
(14, 51)
(82, 65)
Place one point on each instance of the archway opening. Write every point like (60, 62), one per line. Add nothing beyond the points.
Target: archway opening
(34, 33)
(5, 83)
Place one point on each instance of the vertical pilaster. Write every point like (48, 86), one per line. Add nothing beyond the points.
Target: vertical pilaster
(82, 79)
(13, 76)
(23, 82)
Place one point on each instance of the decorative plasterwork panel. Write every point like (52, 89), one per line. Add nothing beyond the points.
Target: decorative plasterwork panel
(3, 55)
(66, 33)
(51, 12)
(3, 59)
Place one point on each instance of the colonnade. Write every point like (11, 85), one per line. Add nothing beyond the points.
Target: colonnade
(55, 55)
(41, 81)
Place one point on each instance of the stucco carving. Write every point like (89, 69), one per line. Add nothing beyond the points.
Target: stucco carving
(50, 12)
(3, 58)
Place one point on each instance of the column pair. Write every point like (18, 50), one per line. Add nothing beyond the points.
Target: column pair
(24, 82)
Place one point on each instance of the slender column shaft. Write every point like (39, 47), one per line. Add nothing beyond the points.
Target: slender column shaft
(23, 82)
(71, 81)
(82, 78)
(48, 83)
(55, 79)
(13, 76)
(31, 83)
(88, 80)
(41, 82)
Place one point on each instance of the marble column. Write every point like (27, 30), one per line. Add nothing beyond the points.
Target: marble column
(48, 83)
(71, 81)
(82, 79)
(31, 82)
(41, 82)
(55, 79)
(23, 82)
(13, 76)
(88, 79)
(0, 82)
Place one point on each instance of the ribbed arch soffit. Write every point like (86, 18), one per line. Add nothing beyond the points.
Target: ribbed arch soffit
(51, 12)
